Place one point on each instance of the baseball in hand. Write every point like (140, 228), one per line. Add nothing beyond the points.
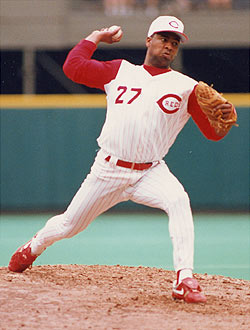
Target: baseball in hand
(118, 35)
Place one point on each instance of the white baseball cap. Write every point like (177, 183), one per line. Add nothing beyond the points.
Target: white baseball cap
(168, 24)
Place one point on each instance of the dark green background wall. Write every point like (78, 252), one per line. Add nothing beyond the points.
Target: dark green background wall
(45, 155)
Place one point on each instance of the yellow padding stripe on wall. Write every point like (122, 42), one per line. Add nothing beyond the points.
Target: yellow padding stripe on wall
(53, 101)
(82, 101)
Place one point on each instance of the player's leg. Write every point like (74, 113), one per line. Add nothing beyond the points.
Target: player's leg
(102, 189)
(94, 197)
(159, 188)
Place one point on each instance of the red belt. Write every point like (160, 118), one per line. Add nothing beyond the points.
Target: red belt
(132, 166)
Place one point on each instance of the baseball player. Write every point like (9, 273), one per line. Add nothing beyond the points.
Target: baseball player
(147, 106)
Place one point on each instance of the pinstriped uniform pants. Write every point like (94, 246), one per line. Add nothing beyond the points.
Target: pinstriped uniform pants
(107, 185)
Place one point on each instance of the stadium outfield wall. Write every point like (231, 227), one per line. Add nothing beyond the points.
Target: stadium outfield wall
(48, 143)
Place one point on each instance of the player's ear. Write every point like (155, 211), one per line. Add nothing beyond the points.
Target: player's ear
(148, 41)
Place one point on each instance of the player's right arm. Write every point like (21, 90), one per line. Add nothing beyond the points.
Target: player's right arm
(80, 68)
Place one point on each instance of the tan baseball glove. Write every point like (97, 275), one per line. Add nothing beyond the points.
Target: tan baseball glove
(208, 99)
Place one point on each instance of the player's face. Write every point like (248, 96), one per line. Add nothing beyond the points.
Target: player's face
(162, 49)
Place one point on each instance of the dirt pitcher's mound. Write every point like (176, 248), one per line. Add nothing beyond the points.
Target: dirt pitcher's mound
(117, 297)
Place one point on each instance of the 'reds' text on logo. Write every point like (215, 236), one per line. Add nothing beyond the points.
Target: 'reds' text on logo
(169, 103)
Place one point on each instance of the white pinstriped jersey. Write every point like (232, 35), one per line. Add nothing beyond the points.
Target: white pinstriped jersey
(145, 113)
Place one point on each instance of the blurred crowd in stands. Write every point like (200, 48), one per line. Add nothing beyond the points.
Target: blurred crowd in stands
(155, 7)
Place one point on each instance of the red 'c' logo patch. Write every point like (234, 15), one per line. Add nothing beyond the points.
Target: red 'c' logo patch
(169, 103)
(174, 24)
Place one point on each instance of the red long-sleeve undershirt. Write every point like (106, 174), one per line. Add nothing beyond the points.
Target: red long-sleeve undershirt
(80, 68)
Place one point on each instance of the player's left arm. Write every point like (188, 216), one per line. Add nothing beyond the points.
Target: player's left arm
(202, 121)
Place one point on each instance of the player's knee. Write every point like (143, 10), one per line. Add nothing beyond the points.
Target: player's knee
(184, 199)
(179, 201)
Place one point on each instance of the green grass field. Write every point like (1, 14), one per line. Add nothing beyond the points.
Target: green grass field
(222, 242)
